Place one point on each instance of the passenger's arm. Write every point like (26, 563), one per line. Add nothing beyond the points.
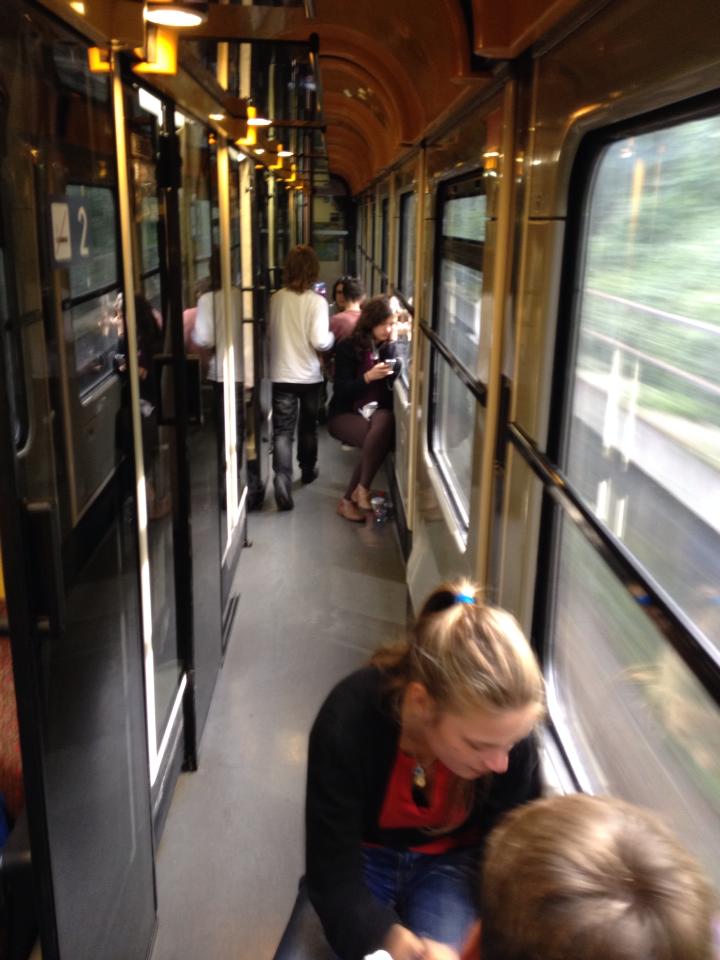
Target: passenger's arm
(355, 922)
(321, 337)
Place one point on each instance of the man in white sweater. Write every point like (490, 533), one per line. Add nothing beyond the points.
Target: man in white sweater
(299, 328)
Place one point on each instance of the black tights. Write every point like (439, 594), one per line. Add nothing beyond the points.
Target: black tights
(374, 437)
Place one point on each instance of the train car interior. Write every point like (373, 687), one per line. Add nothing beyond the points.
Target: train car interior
(531, 184)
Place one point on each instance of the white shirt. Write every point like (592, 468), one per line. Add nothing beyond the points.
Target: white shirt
(209, 331)
(299, 327)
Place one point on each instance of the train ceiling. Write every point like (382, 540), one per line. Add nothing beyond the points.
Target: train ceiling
(389, 70)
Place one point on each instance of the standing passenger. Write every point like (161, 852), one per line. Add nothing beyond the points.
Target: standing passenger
(343, 323)
(298, 329)
(590, 878)
(412, 761)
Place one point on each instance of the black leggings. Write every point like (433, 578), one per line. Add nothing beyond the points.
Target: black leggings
(374, 437)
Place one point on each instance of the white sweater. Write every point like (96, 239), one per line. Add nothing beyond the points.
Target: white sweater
(298, 329)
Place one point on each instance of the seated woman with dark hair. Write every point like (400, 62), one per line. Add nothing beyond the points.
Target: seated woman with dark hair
(361, 410)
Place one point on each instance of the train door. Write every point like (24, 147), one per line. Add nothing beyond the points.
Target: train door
(68, 512)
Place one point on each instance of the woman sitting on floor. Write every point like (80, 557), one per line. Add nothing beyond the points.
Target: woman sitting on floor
(412, 761)
(361, 410)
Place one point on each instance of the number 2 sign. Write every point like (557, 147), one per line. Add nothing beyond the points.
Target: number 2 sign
(70, 231)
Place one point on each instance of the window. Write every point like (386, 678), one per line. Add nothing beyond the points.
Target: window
(643, 444)
(384, 241)
(406, 271)
(94, 284)
(641, 448)
(461, 218)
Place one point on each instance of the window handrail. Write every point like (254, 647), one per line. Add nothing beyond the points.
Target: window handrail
(475, 386)
(668, 618)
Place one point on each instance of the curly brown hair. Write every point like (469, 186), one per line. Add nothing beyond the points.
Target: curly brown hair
(301, 268)
(375, 312)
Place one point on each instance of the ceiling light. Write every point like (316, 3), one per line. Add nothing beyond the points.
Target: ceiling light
(254, 121)
(217, 117)
(284, 153)
(78, 6)
(260, 150)
(176, 14)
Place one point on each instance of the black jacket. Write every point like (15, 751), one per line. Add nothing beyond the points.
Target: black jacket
(350, 385)
(353, 745)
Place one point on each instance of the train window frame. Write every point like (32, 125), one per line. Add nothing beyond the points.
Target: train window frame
(442, 357)
(562, 503)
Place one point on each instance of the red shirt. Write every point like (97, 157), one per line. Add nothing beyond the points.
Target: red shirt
(400, 811)
(343, 324)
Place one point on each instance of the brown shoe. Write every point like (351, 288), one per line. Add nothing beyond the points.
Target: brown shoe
(361, 496)
(348, 510)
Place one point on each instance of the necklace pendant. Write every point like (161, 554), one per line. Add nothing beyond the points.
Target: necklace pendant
(419, 778)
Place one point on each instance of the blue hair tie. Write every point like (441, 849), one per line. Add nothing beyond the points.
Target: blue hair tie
(464, 598)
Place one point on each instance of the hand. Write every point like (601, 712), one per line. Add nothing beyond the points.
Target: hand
(438, 951)
(402, 944)
(379, 372)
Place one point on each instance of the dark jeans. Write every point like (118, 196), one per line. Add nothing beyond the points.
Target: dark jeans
(286, 397)
(434, 896)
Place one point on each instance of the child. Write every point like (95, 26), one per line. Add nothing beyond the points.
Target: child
(590, 878)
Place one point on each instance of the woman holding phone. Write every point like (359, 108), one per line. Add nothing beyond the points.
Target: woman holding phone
(361, 410)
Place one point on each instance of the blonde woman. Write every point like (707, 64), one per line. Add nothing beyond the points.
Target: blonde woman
(412, 761)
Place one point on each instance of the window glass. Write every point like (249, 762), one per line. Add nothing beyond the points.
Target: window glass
(459, 310)
(643, 445)
(452, 434)
(384, 239)
(97, 267)
(618, 674)
(457, 320)
(408, 213)
(465, 217)
(94, 285)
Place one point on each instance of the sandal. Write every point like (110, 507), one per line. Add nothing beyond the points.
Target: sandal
(349, 511)
(361, 497)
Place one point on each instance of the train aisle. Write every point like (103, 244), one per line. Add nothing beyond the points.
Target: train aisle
(317, 594)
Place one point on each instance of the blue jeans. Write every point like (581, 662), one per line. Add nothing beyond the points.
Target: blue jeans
(435, 896)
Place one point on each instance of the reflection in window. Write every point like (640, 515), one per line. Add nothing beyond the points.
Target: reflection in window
(96, 331)
(617, 674)
(452, 435)
(644, 441)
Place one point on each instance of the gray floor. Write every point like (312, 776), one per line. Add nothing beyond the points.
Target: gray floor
(317, 594)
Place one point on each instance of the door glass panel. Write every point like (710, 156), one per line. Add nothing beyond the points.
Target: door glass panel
(200, 278)
(59, 230)
(158, 439)
(643, 445)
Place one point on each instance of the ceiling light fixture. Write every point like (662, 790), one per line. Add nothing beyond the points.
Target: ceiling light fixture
(253, 120)
(284, 153)
(260, 151)
(176, 14)
(217, 117)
